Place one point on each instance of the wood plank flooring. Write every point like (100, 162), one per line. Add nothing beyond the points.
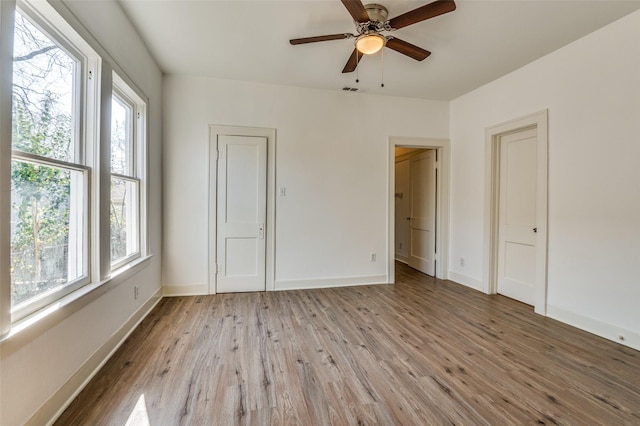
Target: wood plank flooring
(421, 352)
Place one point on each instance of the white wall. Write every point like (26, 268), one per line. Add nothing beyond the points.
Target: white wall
(43, 363)
(331, 155)
(592, 91)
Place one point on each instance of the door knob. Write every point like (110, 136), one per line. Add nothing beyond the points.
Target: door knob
(408, 218)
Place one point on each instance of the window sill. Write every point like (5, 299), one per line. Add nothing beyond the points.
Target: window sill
(36, 324)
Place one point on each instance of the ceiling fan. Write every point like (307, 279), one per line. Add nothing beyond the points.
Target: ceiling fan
(371, 21)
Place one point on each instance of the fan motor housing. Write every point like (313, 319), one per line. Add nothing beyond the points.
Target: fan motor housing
(376, 12)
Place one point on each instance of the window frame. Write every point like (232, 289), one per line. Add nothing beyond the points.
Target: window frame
(129, 96)
(92, 159)
(83, 116)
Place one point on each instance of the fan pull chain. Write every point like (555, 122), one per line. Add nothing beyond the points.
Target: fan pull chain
(357, 69)
(382, 68)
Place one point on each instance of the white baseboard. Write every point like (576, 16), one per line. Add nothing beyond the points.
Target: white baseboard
(401, 258)
(466, 281)
(185, 290)
(203, 289)
(329, 282)
(59, 401)
(608, 331)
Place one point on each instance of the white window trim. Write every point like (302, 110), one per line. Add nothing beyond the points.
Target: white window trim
(7, 9)
(38, 302)
(96, 85)
(138, 165)
(61, 33)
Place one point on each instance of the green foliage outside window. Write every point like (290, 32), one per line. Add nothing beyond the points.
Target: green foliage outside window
(40, 192)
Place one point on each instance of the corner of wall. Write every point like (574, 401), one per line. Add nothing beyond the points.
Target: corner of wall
(466, 281)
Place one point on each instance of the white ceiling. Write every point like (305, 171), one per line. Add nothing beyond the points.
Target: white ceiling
(249, 40)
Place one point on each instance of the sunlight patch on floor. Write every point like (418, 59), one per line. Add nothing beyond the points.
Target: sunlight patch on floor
(139, 415)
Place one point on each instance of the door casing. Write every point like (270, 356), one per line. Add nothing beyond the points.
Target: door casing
(270, 134)
(442, 147)
(539, 121)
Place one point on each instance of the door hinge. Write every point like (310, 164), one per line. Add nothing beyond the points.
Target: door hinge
(217, 268)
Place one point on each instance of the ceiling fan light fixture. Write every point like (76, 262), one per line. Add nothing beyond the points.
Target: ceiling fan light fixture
(369, 44)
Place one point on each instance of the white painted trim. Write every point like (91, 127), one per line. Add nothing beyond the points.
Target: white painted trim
(185, 290)
(443, 147)
(466, 281)
(608, 331)
(270, 134)
(27, 329)
(306, 284)
(101, 181)
(7, 9)
(493, 134)
(60, 400)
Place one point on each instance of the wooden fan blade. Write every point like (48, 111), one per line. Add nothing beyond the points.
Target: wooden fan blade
(427, 11)
(356, 10)
(319, 38)
(408, 49)
(352, 63)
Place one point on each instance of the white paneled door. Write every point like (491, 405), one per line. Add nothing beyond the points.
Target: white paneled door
(241, 213)
(517, 216)
(422, 224)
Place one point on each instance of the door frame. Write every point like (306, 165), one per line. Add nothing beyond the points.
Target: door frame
(442, 147)
(493, 135)
(270, 135)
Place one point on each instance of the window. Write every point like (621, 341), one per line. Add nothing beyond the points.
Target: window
(75, 215)
(49, 179)
(127, 136)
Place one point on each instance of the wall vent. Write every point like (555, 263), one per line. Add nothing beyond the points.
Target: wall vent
(350, 89)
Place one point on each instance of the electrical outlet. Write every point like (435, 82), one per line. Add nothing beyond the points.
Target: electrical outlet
(136, 292)
(462, 262)
(373, 257)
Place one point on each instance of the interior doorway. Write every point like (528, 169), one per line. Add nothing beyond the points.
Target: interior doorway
(516, 210)
(419, 230)
(415, 207)
(241, 209)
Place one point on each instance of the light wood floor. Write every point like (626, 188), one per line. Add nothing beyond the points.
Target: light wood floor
(422, 352)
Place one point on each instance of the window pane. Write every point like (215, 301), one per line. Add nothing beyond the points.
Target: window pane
(43, 93)
(124, 218)
(121, 117)
(46, 229)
